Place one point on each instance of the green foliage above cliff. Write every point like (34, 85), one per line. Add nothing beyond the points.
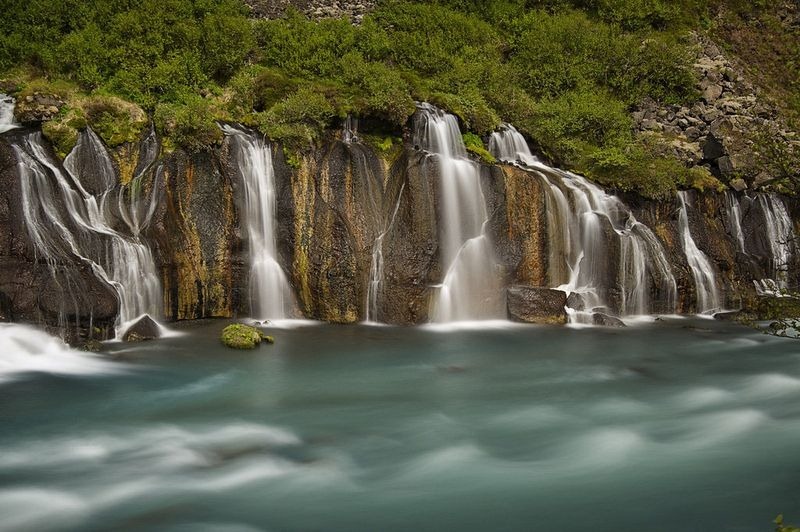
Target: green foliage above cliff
(566, 72)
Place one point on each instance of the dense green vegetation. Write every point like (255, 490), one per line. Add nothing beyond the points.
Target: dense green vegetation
(566, 73)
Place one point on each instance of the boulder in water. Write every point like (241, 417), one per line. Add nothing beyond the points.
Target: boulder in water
(576, 301)
(145, 328)
(604, 320)
(537, 305)
(240, 336)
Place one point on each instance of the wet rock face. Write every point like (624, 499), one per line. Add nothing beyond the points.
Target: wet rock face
(536, 305)
(32, 291)
(411, 247)
(144, 329)
(195, 237)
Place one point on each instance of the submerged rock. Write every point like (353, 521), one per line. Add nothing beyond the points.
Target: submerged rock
(240, 336)
(537, 305)
(92, 346)
(604, 320)
(145, 328)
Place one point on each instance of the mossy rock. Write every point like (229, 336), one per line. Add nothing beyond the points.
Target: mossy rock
(240, 336)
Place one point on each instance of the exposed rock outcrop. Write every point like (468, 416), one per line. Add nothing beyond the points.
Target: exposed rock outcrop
(317, 9)
(729, 130)
(537, 305)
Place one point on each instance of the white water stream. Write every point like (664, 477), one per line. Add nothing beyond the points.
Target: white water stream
(581, 216)
(270, 292)
(6, 113)
(65, 222)
(708, 298)
(470, 289)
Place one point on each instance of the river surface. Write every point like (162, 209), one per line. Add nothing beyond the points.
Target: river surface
(675, 425)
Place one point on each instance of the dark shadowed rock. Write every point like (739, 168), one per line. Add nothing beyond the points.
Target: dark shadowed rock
(604, 320)
(537, 305)
(576, 301)
(144, 329)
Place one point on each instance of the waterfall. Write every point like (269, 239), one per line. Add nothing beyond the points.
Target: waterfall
(577, 212)
(470, 289)
(270, 292)
(376, 279)
(780, 237)
(65, 223)
(702, 271)
(734, 216)
(6, 113)
(350, 130)
(508, 145)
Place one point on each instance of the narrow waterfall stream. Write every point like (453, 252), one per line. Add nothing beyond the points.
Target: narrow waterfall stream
(376, 276)
(270, 292)
(6, 113)
(66, 222)
(470, 289)
(703, 273)
(581, 217)
(780, 237)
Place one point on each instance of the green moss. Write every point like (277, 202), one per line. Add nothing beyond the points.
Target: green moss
(293, 159)
(474, 144)
(61, 136)
(113, 119)
(240, 336)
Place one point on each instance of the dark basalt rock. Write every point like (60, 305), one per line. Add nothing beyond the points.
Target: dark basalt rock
(536, 305)
(576, 301)
(144, 329)
(604, 320)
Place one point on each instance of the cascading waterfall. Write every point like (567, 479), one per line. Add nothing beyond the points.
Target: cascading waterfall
(780, 237)
(509, 145)
(270, 292)
(578, 261)
(376, 277)
(703, 273)
(350, 130)
(470, 289)
(82, 229)
(734, 216)
(6, 113)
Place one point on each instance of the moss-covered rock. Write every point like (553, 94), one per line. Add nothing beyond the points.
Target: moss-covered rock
(240, 336)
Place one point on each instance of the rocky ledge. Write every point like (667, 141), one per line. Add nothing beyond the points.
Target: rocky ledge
(729, 130)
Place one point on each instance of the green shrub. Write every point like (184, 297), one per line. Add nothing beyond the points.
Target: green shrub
(190, 124)
(474, 144)
(299, 119)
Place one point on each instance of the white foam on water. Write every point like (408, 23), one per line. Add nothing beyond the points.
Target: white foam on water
(771, 385)
(711, 429)
(702, 397)
(602, 447)
(25, 349)
(40, 509)
(474, 326)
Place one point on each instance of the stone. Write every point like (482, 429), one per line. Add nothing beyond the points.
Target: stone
(692, 133)
(725, 165)
(713, 148)
(145, 328)
(529, 304)
(241, 336)
(576, 301)
(604, 320)
(651, 124)
(738, 184)
(712, 93)
(92, 346)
